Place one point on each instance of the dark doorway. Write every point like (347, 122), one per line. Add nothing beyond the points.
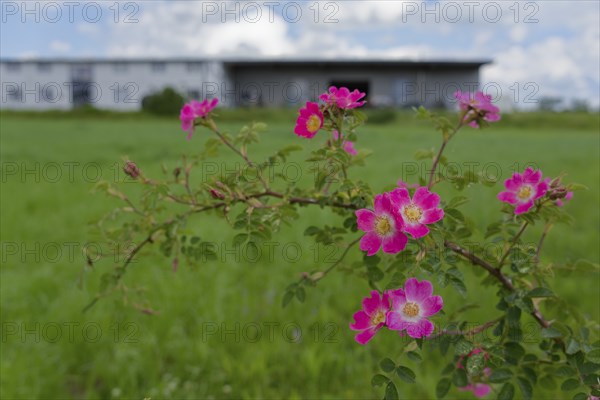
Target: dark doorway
(362, 86)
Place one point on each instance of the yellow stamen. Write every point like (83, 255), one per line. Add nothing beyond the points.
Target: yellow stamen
(313, 124)
(524, 192)
(383, 225)
(411, 309)
(378, 318)
(412, 213)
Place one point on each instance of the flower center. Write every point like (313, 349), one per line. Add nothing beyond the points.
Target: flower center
(313, 124)
(378, 318)
(411, 309)
(524, 192)
(383, 225)
(413, 213)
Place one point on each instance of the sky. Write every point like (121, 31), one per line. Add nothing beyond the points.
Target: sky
(538, 48)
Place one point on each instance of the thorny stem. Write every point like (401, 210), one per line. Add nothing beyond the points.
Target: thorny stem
(438, 156)
(541, 242)
(512, 244)
(244, 156)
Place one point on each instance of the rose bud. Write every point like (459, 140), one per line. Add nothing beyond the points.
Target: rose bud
(216, 194)
(555, 183)
(131, 169)
(558, 193)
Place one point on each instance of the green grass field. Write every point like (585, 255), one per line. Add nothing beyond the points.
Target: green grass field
(193, 347)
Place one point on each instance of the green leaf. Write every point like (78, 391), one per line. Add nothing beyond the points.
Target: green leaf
(565, 371)
(594, 356)
(387, 365)
(475, 364)
(507, 392)
(459, 286)
(572, 347)
(414, 356)
(570, 384)
(540, 292)
(301, 294)
(588, 368)
(463, 347)
(513, 351)
(406, 374)
(500, 375)
(550, 333)
(580, 396)
(287, 298)
(459, 377)
(391, 393)
(379, 380)
(442, 388)
(525, 387)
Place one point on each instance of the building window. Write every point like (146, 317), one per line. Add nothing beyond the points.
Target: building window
(120, 67)
(194, 66)
(159, 67)
(44, 67)
(13, 66)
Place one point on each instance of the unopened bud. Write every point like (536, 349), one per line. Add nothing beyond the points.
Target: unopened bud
(558, 193)
(216, 194)
(131, 169)
(176, 172)
(555, 182)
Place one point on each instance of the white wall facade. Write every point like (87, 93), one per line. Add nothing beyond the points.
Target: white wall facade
(118, 85)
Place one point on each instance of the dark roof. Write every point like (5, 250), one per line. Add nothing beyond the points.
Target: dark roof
(268, 62)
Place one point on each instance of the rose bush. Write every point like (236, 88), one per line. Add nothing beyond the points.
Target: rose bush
(425, 242)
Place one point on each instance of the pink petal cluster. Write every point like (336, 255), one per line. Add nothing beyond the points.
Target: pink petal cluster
(195, 109)
(383, 227)
(372, 316)
(410, 308)
(343, 98)
(479, 389)
(309, 121)
(347, 145)
(522, 190)
(396, 214)
(419, 211)
(477, 106)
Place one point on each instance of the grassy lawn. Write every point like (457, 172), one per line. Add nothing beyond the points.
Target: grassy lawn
(221, 331)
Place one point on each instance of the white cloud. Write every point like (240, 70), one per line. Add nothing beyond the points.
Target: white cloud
(561, 59)
(60, 46)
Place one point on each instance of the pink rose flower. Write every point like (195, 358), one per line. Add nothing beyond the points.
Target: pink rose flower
(522, 190)
(371, 318)
(478, 106)
(195, 109)
(420, 211)
(383, 227)
(203, 108)
(347, 145)
(309, 121)
(412, 306)
(343, 98)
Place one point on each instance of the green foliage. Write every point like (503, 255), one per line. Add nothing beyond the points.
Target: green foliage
(166, 102)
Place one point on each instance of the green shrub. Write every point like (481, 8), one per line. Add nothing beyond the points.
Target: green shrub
(167, 102)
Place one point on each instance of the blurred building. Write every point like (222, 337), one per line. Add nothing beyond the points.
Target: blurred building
(121, 84)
